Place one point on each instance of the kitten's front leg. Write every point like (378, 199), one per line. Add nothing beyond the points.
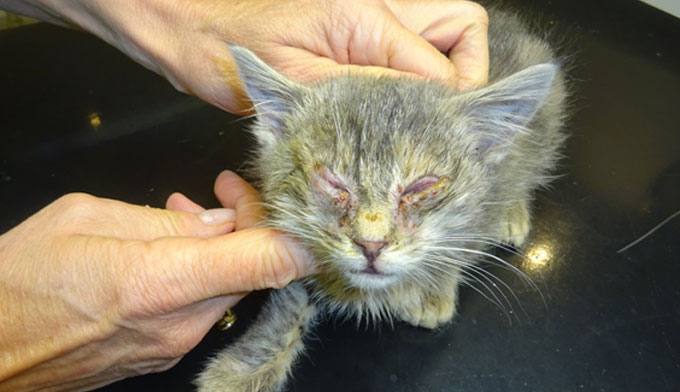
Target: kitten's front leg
(516, 225)
(427, 309)
(261, 360)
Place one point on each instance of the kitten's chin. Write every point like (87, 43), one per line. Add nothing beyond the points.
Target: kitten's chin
(370, 280)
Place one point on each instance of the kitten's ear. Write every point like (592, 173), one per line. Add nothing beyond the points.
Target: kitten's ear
(502, 110)
(272, 94)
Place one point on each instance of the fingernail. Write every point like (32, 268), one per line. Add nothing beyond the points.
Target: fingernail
(217, 216)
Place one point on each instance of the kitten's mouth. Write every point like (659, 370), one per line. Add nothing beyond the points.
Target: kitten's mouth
(370, 270)
(371, 278)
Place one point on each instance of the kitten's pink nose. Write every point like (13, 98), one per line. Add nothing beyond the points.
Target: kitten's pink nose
(371, 249)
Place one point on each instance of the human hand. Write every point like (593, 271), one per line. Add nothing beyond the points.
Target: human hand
(305, 40)
(94, 290)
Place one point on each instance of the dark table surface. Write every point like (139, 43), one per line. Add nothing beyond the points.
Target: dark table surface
(75, 115)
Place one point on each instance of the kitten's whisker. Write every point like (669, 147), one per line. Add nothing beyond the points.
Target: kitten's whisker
(491, 240)
(470, 279)
(495, 244)
(501, 202)
(422, 275)
(436, 264)
(503, 265)
(524, 277)
(290, 214)
(488, 276)
(439, 267)
(530, 283)
(509, 311)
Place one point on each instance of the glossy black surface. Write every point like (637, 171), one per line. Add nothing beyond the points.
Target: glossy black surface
(600, 321)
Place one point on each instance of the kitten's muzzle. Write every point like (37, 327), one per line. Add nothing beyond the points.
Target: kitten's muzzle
(370, 249)
(370, 275)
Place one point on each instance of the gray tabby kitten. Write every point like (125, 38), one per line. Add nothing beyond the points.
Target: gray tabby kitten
(396, 186)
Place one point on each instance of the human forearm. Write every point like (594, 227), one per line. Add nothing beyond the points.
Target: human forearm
(145, 30)
(33, 8)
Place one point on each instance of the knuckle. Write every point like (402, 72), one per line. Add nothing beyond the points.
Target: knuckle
(76, 211)
(76, 204)
(262, 264)
(281, 270)
(478, 13)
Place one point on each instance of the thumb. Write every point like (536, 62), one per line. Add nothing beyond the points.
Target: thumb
(242, 261)
(458, 28)
(408, 52)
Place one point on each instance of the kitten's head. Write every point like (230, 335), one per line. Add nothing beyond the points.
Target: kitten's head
(379, 176)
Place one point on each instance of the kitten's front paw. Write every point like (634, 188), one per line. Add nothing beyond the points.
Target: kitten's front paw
(244, 370)
(234, 383)
(516, 225)
(431, 311)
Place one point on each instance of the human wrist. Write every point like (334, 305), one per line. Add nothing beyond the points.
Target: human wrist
(175, 39)
(134, 26)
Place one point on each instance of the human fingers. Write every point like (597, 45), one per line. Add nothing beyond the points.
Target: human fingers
(93, 216)
(234, 192)
(309, 67)
(408, 52)
(215, 216)
(179, 202)
(471, 54)
(458, 28)
(179, 270)
(369, 34)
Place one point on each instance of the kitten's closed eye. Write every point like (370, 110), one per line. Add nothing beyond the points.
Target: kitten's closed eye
(419, 197)
(422, 191)
(421, 185)
(331, 188)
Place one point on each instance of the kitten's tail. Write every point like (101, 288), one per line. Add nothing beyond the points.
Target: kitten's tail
(261, 359)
